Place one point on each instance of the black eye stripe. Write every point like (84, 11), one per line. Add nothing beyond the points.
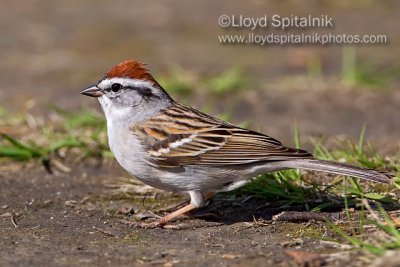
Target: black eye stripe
(144, 91)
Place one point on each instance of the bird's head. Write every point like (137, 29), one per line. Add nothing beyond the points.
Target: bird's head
(126, 89)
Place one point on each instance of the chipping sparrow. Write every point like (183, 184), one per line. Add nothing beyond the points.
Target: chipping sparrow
(173, 147)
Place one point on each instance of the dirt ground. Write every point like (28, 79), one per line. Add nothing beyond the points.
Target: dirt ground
(74, 220)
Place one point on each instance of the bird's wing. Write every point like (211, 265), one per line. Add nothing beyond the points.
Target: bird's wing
(180, 136)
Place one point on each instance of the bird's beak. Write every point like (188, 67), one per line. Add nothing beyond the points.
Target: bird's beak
(92, 91)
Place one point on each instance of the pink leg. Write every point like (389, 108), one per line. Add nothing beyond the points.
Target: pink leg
(164, 220)
(177, 213)
(183, 210)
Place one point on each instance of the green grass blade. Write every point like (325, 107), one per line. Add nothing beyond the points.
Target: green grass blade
(35, 152)
(361, 140)
(15, 153)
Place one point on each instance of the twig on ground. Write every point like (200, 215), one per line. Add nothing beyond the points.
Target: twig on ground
(293, 243)
(60, 166)
(256, 223)
(14, 220)
(246, 199)
(304, 216)
(373, 213)
(103, 231)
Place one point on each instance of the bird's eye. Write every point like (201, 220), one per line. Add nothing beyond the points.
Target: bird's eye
(116, 87)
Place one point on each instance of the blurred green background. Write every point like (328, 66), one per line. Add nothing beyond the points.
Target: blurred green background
(52, 49)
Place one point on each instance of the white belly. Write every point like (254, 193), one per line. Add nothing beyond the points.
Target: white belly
(130, 154)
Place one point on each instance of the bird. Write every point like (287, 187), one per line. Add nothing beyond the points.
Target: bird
(174, 147)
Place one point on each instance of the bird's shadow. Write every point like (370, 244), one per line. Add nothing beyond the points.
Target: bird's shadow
(229, 209)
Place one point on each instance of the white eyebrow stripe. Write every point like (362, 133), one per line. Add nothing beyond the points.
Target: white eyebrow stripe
(126, 82)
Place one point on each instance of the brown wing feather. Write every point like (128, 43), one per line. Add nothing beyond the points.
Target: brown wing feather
(181, 136)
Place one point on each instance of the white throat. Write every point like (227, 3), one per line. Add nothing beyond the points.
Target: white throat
(113, 112)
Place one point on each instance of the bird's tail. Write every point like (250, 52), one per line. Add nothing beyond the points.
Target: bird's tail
(339, 168)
